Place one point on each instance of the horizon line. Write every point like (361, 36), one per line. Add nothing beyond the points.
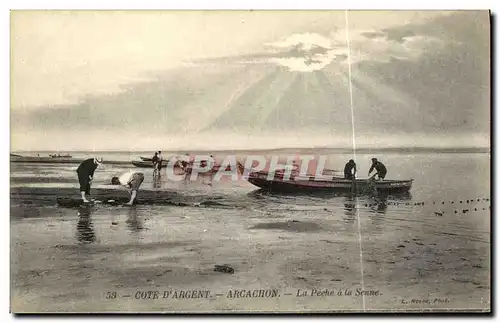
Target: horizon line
(397, 148)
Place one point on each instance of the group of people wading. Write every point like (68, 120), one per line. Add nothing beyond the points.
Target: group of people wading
(185, 163)
(350, 170)
(131, 180)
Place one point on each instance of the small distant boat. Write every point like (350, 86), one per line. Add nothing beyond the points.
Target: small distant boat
(60, 156)
(44, 159)
(147, 164)
(325, 183)
(146, 159)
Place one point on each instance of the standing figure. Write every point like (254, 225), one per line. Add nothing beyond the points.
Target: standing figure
(187, 166)
(379, 167)
(160, 161)
(350, 170)
(154, 160)
(86, 174)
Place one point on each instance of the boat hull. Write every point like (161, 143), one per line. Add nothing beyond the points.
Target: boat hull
(336, 185)
(147, 164)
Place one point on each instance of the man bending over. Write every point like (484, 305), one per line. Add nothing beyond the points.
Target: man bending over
(86, 174)
(131, 180)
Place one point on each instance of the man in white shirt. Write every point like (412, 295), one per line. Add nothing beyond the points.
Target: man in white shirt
(131, 180)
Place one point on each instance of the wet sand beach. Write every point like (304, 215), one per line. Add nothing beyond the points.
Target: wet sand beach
(424, 251)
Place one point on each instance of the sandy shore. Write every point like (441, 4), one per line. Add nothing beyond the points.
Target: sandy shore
(74, 260)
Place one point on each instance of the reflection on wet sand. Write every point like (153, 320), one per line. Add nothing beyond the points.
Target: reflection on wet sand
(350, 209)
(207, 179)
(84, 227)
(406, 196)
(381, 206)
(134, 224)
(157, 181)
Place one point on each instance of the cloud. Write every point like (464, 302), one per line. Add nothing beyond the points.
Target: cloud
(309, 52)
(308, 63)
(305, 52)
(383, 49)
(304, 41)
(374, 34)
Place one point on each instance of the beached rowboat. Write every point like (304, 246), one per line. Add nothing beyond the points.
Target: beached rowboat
(325, 183)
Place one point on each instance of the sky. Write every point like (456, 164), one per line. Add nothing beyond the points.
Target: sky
(104, 80)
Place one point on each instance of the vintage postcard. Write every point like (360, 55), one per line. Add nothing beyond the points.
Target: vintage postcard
(250, 162)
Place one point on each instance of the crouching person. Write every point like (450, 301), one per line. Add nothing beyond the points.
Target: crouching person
(132, 181)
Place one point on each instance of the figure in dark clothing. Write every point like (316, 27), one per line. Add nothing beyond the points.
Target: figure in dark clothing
(155, 161)
(85, 175)
(350, 170)
(187, 163)
(379, 167)
(160, 161)
(155, 158)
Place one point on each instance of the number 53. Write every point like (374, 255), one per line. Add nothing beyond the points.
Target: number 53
(110, 295)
